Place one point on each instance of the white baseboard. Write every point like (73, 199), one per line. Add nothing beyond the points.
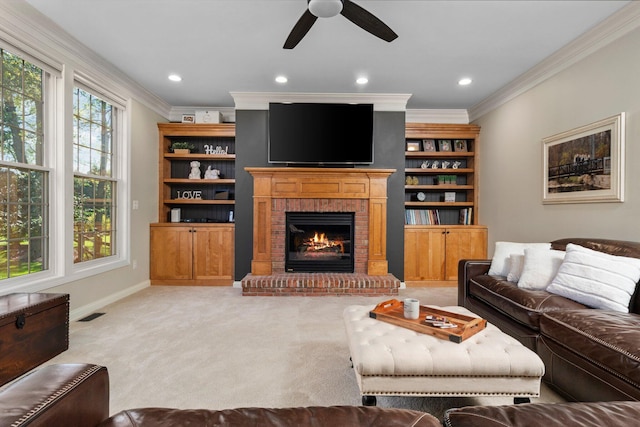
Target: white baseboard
(88, 309)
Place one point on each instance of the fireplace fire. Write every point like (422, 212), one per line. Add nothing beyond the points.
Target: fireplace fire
(319, 242)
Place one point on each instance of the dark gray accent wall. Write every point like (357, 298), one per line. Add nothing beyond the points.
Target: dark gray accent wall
(389, 154)
(251, 151)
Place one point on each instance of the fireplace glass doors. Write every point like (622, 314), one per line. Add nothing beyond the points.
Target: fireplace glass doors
(319, 242)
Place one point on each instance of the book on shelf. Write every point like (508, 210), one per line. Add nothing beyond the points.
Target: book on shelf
(466, 216)
(422, 217)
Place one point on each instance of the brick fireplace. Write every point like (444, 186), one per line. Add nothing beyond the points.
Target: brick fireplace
(362, 192)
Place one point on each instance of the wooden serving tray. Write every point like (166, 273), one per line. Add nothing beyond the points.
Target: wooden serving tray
(392, 311)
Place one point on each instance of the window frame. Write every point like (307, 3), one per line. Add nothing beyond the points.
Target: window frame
(119, 175)
(59, 80)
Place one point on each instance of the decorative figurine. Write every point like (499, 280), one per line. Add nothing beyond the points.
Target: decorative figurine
(195, 170)
(456, 165)
(425, 164)
(435, 164)
(211, 173)
(445, 164)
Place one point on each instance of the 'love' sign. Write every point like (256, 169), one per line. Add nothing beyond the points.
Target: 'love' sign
(189, 194)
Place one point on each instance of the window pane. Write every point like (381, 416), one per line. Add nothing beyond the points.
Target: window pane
(12, 108)
(84, 106)
(21, 121)
(32, 81)
(31, 148)
(84, 160)
(11, 71)
(37, 255)
(94, 197)
(93, 213)
(30, 115)
(4, 259)
(23, 191)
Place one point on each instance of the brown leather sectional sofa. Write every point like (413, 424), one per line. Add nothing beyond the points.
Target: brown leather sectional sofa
(589, 354)
(77, 395)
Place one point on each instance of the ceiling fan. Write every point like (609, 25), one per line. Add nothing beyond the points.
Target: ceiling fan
(329, 8)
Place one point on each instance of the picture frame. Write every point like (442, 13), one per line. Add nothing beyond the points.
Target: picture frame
(428, 145)
(188, 118)
(585, 164)
(460, 145)
(413, 146)
(444, 145)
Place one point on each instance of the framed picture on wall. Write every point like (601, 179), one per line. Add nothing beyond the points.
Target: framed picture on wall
(586, 164)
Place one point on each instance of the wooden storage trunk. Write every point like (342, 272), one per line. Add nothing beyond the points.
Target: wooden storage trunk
(34, 327)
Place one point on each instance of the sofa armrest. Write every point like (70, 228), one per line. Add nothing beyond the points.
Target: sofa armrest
(468, 268)
(70, 395)
(578, 414)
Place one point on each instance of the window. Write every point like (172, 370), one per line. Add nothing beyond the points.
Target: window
(24, 179)
(94, 186)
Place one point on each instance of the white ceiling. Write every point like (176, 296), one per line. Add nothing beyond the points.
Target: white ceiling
(223, 46)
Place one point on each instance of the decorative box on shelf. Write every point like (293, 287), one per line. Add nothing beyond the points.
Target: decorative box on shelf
(208, 116)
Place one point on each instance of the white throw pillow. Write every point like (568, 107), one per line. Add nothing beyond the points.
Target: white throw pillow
(503, 250)
(539, 268)
(516, 263)
(597, 279)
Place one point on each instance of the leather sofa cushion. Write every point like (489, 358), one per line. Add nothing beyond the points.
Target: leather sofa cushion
(610, 414)
(522, 305)
(606, 338)
(265, 417)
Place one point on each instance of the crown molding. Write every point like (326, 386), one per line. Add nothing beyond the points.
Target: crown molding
(261, 100)
(25, 28)
(617, 25)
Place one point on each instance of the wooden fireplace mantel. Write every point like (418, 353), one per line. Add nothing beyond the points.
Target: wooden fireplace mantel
(319, 183)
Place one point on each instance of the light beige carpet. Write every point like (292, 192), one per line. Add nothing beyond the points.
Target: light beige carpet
(210, 347)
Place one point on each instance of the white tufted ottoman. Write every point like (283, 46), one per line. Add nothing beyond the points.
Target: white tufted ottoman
(391, 360)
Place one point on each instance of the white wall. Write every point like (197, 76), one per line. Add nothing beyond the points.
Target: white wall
(601, 85)
(92, 293)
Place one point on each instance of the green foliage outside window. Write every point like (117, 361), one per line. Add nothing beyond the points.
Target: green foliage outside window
(23, 188)
(94, 190)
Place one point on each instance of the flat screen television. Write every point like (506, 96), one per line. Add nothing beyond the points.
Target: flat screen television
(320, 134)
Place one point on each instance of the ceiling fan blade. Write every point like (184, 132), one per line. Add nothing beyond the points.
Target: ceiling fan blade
(367, 21)
(299, 30)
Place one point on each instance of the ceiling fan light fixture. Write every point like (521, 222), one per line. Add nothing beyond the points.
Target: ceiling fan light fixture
(325, 8)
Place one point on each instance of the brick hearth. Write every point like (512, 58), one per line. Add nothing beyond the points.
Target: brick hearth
(280, 190)
(319, 284)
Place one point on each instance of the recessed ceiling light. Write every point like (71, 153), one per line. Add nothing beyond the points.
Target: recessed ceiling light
(362, 80)
(464, 81)
(281, 79)
(175, 78)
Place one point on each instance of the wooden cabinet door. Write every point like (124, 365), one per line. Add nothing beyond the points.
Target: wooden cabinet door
(424, 250)
(171, 253)
(213, 253)
(467, 242)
